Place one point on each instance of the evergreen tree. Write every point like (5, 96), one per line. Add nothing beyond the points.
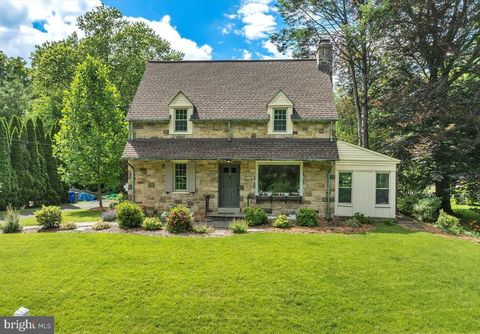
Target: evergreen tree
(52, 193)
(5, 167)
(36, 166)
(19, 159)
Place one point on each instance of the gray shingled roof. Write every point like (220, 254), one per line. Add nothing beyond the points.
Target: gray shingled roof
(236, 149)
(234, 89)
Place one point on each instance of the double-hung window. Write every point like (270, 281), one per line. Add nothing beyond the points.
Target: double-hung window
(382, 188)
(279, 179)
(180, 177)
(279, 120)
(181, 121)
(345, 188)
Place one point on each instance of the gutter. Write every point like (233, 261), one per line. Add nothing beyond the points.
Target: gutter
(133, 181)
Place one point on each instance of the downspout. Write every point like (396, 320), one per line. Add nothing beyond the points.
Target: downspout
(331, 130)
(229, 131)
(133, 181)
(327, 211)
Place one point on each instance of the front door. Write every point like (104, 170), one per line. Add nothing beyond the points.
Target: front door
(229, 186)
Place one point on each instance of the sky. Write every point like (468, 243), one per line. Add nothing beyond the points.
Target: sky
(201, 29)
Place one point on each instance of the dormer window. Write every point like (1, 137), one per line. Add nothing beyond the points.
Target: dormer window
(181, 120)
(181, 111)
(280, 110)
(279, 120)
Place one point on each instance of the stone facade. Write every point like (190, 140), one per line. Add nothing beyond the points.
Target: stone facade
(150, 187)
(237, 130)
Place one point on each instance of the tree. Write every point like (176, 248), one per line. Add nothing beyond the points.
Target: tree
(124, 46)
(92, 131)
(19, 155)
(353, 27)
(431, 89)
(15, 87)
(6, 178)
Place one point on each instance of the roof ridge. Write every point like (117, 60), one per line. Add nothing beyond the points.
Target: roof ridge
(230, 60)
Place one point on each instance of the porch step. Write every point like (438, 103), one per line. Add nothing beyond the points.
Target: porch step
(220, 216)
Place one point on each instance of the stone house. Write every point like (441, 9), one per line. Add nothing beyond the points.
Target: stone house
(219, 136)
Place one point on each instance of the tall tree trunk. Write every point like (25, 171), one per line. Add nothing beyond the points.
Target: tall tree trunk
(442, 190)
(364, 82)
(356, 101)
(99, 196)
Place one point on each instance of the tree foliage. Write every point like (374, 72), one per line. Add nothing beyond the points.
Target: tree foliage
(6, 180)
(92, 131)
(15, 86)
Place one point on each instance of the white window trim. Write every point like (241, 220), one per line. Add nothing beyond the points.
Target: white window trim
(289, 129)
(337, 195)
(180, 191)
(258, 163)
(189, 122)
(382, 205)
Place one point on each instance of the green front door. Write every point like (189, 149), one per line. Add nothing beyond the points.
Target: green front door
(229, 185)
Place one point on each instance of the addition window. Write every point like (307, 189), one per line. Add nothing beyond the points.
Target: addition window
(180, 177)
(382, 188)
(281, 179)
(280, 120)
(345, 188)
(181, 121)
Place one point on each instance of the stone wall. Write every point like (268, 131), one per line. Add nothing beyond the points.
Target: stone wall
(238, 130)
(150, 187)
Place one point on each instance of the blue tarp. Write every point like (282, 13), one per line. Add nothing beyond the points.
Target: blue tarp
(86, 197)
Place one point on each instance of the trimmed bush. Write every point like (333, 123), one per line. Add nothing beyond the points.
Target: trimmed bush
(389, 222)
(407, 202)
(306, 217)
(353, 222)
(201, 228)
(426, 210)
(68, 226)
(255, 216)
(178, 220)
(109, 216)
(152, 223)
(362, 218)
(129, 215)
(238, 226)
(282, 222)
(49, 216)
(98, 226)
(12, 221)
(449, 223)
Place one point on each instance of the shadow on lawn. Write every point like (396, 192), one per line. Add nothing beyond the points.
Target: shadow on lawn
(395, 228)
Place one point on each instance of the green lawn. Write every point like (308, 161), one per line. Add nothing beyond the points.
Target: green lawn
(75, 216)
(391, 281)
(469, 213)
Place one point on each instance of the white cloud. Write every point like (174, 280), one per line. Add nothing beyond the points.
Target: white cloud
(227, 28)
(230, 16)
(18, 37)
(257, 20)
(164, 29)
(246, 55)
(274, 53)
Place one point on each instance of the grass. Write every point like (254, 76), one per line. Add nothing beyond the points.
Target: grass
(468, 213)
(390, 281)
(74, 216)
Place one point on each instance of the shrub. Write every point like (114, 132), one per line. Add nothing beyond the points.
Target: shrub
(449, 223)
(49, 216)
(238, 226)
(178, 220)
(12, 221)
(426, 210)
(98, 226)
(306, 217)
(362, 218)
(353, 222)
(282, 222)
(255, 216)
(129, 215)
(68, 226)
(152, 223)
(407, 202)
(389, 222)
(201, 228)
(109, 216)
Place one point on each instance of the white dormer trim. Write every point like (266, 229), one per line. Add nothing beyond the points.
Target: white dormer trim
(280, 101)
(180, 101)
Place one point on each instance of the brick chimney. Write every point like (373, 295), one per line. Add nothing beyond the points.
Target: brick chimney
(324, 56)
